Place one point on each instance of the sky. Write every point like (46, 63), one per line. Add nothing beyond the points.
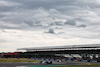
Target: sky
(40, 23)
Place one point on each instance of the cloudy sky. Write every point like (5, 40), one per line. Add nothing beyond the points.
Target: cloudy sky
(38, 23)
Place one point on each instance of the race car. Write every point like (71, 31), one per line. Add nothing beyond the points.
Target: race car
(46, 62)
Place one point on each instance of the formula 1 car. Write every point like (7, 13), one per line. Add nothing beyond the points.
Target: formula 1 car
(46, 62)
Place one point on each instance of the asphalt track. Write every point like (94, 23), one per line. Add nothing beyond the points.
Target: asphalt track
(38, 64)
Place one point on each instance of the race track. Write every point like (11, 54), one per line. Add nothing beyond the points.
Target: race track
(38, 64)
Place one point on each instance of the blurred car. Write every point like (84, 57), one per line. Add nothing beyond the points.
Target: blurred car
(46, 62)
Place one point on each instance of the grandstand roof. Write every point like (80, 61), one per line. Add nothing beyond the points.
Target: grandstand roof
(67, 47)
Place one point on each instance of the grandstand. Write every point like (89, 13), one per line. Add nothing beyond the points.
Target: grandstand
(88, 51)
(83, 51)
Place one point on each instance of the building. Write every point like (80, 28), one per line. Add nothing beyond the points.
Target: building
(88, 51)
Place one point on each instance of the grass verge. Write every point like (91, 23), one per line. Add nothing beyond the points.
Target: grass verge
(91, 64)
(17, 60)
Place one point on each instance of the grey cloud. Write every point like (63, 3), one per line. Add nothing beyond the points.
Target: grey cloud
(44, 3)
(28, 13)
(2, 16)
(60, 32)
(80, 19)
(33, 23)
(71, 22)
(59, 23)
(7, 8)
(18, 27)
(47, 4)
(83, 25)
(57, 28)
(51, 31)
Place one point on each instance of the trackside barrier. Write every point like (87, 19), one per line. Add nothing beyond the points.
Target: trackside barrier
(35, 59)
(55, 59)
(45, 59)
(40, 59)
(66, 59)
(81, 60)
(72, 59)
(90, 60)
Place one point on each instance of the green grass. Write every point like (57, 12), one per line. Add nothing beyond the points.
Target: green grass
(16, 60)
(91, 64)
(27, 60)
(47, 66)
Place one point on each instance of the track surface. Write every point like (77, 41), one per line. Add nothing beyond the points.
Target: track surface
(38, 64)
